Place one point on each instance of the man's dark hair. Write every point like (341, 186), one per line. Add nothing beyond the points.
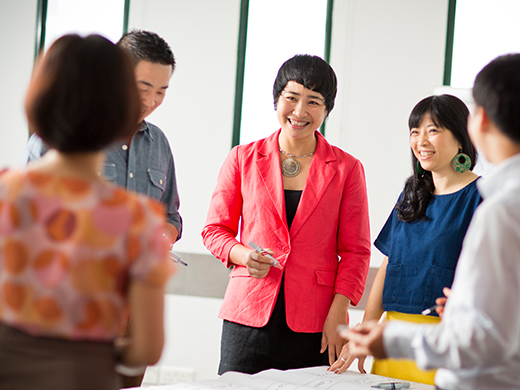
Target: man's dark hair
(310, 71)
(497, 90)
(147, 46)
(83, 95)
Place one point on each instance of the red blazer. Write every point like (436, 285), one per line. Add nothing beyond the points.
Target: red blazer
(327, 250)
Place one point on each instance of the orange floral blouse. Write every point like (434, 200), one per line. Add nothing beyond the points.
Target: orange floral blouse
(68, 249)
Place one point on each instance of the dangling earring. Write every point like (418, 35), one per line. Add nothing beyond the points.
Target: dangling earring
(420, 169)
(461, 162)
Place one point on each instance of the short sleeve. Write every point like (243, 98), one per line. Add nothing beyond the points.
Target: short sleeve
(384, 238)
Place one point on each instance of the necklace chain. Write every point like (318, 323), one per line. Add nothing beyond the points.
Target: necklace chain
(293, 155)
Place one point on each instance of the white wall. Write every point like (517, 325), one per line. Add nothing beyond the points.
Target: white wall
(387, 55)
(17, 29)
(197, 113)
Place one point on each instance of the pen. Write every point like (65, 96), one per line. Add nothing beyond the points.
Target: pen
(425, 312)
(174, 256)
(392, 385)
(264, 253)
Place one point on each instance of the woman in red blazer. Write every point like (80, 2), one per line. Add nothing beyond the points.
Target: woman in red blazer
(305, 201)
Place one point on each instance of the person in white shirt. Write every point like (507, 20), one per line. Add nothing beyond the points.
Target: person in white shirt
(477, 343)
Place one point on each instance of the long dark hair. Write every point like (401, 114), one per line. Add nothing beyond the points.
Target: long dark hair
(448, 112)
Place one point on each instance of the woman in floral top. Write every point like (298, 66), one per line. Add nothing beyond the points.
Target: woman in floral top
(77, 254)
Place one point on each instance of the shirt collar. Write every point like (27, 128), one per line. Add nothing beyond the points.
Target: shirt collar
(144, 127)
(502, 176)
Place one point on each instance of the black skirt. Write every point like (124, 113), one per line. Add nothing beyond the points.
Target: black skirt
(251, 350)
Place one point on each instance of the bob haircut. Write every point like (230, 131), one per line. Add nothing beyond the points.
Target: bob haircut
(83, 95)
(310, 71)
(497, 90)
(448, 112)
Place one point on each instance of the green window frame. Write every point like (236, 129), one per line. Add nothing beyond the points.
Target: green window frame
(241, 57)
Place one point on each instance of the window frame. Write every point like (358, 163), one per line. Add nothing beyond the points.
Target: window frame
(241, 56)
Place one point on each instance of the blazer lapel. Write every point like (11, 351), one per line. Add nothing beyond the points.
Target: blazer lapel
(321, 173)
(269, 169)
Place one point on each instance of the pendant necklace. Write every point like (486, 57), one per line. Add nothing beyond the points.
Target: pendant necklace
(290, 166)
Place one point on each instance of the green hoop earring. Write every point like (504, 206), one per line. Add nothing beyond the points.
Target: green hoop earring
(420, 169)
(461, 162)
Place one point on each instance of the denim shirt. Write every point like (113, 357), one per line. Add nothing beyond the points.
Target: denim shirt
(146, 166)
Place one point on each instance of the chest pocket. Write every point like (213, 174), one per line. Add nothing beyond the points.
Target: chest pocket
(158, 180)
(110, 171)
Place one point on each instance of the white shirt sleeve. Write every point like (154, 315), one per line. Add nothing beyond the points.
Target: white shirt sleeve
(481, 324)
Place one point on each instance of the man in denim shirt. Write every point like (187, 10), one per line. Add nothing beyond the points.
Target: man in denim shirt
(143, 163)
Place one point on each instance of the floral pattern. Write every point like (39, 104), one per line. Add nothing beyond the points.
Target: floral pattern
(68, 249)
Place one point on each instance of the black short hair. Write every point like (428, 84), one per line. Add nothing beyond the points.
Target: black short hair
(497, 90)
(312, 72)
(83, 95)
(147, 46)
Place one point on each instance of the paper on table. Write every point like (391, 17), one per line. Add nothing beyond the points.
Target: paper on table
(300, 379)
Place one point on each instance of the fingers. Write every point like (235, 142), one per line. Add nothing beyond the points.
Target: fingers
(344, 361)
(332, 353)
(323, 342)
(258, 265)
(361, 365)
(366, 339)
(441, 302)
(360, 329)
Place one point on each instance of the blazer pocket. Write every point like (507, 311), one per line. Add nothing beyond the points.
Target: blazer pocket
(325, 277)
(239, 270)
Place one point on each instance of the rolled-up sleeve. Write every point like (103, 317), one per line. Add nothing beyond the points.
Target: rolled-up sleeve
(170, 198)
(222, 223)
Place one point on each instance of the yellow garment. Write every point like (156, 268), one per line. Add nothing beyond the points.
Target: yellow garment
(402, 368)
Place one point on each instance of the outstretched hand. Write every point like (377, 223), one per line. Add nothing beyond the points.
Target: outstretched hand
(366, 339)
(345, 360)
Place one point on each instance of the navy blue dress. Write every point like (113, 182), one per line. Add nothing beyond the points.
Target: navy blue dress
(423, 254)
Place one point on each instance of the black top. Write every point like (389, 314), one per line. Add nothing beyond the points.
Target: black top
(292, 200)
(251, 350)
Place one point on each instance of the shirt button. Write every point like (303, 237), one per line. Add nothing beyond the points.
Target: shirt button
(285, 249)
(160, 181)
(124, 147)
(131, 175)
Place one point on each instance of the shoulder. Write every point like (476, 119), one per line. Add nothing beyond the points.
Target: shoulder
(156, 133)
(331, 152)
(256, 149)
(3, 171)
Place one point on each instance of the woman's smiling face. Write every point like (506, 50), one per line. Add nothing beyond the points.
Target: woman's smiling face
(433, 146)
(300, 110)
